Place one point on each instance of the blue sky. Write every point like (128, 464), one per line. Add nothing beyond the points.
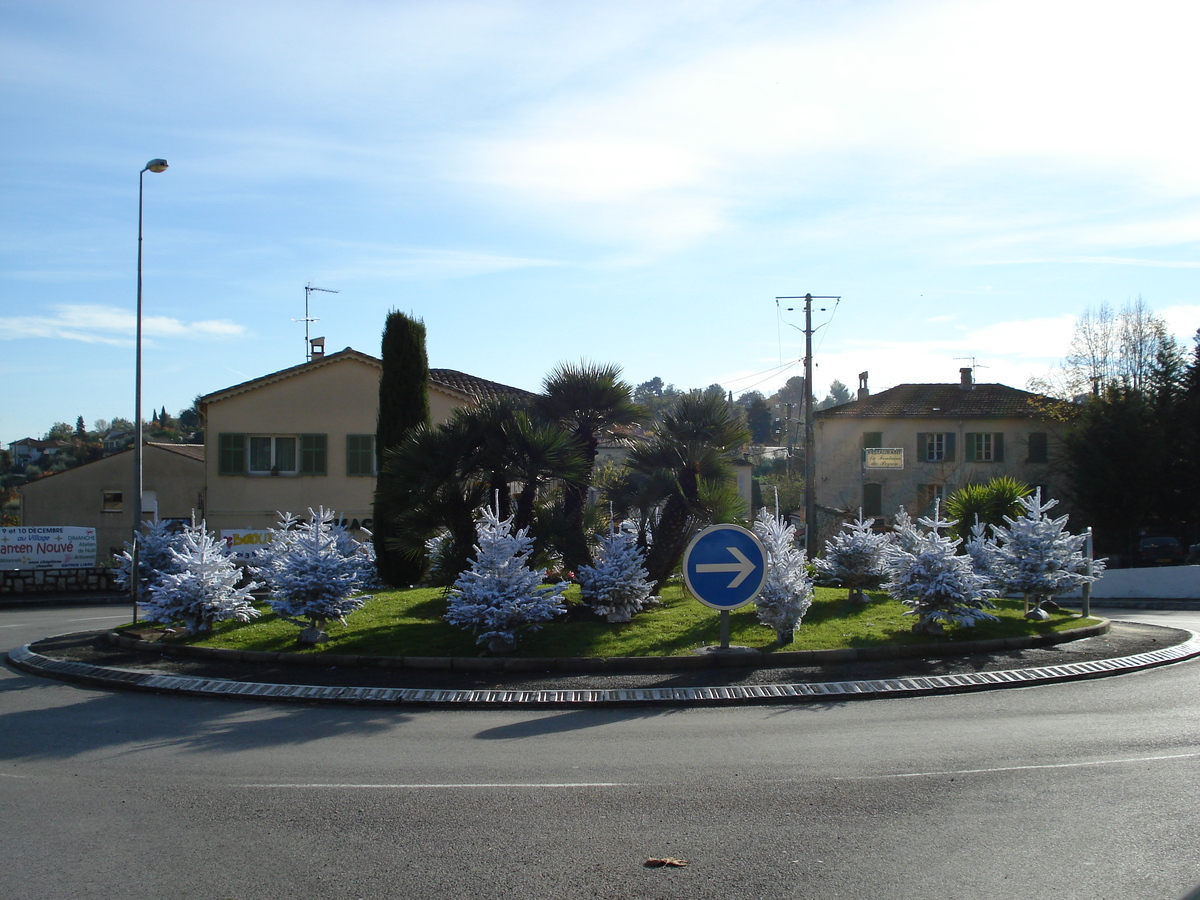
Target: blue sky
(623, 182)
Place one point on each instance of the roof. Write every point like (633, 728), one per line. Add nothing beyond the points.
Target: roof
(458, 383)
(479, 389)
(944, 401)
(191, 451)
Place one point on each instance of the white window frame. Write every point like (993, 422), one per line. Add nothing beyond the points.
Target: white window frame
(935, 446)
(273, 468)
(985, 447)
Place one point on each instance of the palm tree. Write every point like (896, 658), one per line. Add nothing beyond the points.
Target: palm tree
(689, 453)
(590, 401)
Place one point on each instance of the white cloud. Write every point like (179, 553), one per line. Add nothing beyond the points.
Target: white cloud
(109, 325)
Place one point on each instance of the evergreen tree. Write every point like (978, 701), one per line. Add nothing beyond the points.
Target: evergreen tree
(500, 596)
(787, 592)
(312, 570)
(403, 406)
(854, 557)
(1038, 557)
(616, 586)
(203, 588)
(937, 585)
(155, 557)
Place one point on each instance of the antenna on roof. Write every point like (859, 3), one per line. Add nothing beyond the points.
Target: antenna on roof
(308, 345)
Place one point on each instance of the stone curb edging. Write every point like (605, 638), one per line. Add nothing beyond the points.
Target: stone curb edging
(28, 661)
(612, 665)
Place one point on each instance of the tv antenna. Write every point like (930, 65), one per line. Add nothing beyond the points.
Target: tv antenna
(308, 289)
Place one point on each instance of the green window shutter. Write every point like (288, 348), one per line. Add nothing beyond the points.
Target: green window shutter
(872, 440)
(872, 500)
(231, 453)
(922, 454)
(998, 447)
(949, 446)
(360, 454)
(969, 455)
(313, 454)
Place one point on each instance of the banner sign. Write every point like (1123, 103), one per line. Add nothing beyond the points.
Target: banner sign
(884, 458)
(53, 547)
(243, 543)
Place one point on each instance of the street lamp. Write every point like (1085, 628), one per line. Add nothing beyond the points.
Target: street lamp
(155, 165)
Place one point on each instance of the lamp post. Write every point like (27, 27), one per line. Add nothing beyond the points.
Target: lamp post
(155, 165)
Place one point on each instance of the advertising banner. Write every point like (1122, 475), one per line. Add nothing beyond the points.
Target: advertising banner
(51, 547)
(243, 542)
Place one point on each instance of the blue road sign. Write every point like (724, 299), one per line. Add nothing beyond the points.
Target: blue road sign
(725, 566)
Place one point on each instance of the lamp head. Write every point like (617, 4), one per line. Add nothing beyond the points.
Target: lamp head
(156, 165)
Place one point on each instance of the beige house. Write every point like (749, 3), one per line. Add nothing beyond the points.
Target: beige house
(914, 443)
(304, 437)
(99, 494)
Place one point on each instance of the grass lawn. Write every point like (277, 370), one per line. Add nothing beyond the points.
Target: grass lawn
(409, 623)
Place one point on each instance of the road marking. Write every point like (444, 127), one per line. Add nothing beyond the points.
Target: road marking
(1079, 765)
(579, 784)
(100, 618)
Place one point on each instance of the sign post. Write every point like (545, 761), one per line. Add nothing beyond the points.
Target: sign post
(724, 567)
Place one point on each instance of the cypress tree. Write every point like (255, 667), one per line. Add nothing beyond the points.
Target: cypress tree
(403, 405)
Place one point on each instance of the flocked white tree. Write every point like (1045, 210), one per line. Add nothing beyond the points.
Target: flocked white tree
(204, 588)
(500, 596)
(937, 585)
(854, 557)
(981, 550)
(617, 586)
(154, 556)
(314, 570)
(1038, 557)
(787, 592)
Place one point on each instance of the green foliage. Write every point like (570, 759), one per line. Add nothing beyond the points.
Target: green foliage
(403, 406)
(988, 503)
(410, 623)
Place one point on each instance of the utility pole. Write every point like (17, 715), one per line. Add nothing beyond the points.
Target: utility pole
(810, 460)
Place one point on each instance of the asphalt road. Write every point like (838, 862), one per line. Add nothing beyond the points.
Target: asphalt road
(1079, 790)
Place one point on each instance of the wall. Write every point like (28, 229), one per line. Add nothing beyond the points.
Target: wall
(56, 581)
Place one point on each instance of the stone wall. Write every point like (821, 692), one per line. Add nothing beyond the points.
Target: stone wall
(19, 582)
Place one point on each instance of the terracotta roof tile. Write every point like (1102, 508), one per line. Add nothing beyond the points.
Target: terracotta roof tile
(943, 401)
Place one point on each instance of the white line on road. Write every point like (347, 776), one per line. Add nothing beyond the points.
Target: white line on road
(1079, 765)
(381, 787)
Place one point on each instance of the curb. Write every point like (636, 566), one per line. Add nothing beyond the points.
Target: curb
(32, 663)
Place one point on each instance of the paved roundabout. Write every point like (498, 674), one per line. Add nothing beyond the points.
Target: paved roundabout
(106, 659)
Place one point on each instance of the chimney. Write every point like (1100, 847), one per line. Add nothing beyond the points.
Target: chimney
(863, 391)
(318, 347)
(965, 381)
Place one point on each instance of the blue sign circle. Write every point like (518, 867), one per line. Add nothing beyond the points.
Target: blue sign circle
(725, 566)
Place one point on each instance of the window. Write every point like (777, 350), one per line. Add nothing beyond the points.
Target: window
(872, 500)
(872, 440)
(270, 454)
(360, 454)
(985, 446)
(935, 446)
(927, 495)
(111, 501)
(1039, 448)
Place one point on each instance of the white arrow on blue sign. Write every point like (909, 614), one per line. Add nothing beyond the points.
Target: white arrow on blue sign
(725, 566)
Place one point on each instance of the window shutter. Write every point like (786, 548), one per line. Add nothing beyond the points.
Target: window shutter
(949, 446)
(1038, 447)
(922, 454)
(872, 500)
(231, 453)
(360, 454)
(313, 454)
(872, 440)
(998, 446)
(969, 454)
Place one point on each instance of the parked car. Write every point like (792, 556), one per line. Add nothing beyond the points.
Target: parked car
(1158, 550)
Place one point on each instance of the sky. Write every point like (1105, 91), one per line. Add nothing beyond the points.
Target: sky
(618, 182)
